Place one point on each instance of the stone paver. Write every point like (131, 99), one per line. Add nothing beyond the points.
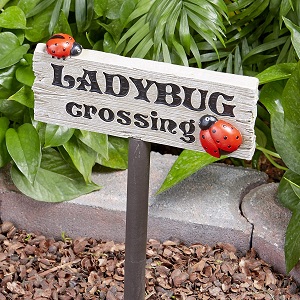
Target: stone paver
(203, 208)
(260, 206)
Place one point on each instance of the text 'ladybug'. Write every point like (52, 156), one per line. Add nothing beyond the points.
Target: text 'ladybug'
(62, 45)
(217, 136)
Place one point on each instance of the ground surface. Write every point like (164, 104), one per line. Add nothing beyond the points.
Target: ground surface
(34, 267)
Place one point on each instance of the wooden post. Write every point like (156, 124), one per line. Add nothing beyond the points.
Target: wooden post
(136, 219)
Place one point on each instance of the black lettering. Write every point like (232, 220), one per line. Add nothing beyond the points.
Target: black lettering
(154, 120)
(141, 88)
(228, 109)
(162, 94)
(93, 81)
(141, 122)
(57, 76)
(171, 125)
(88, 109)
(124, 117)
(123, 85)
(69, 109)
(106, 114)
(187, 128)
(188, 99)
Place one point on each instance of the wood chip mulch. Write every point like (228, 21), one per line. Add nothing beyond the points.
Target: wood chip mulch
(35, 267)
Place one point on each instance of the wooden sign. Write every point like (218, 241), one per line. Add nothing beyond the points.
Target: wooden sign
(152, 101)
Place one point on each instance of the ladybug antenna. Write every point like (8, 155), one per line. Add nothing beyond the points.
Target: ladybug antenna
(207, 121)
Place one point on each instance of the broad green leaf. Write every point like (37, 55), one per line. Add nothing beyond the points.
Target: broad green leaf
(82, 156)
(186, 164)
(7, 79)
(271, 95)
(286, 137)
(100, 7)
(56, 135)
(276, 72)
(24, 147)
(63, 24)
(286, 193)
(56, 181)
(10, 49)
(12, 110)
(292, 241)
(184, 31)
(290, 98)
(117, 153)
(4, 155)
(126, 9)
(24, 96)
(113, 9)
(13, 17)
(295, 34)
(97, 141)
(24, 73)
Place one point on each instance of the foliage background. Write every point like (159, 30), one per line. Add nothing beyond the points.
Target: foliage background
(248, 37)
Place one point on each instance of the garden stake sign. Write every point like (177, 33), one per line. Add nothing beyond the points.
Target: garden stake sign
(145, 101)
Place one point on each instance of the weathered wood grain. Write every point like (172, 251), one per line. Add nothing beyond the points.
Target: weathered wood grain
(102, 109)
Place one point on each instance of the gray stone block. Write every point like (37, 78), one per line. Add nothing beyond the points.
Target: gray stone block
(203, 208)
(260, 206)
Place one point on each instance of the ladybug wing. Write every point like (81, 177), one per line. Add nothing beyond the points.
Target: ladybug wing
(60, 45)
(226, 136)
(208, 143)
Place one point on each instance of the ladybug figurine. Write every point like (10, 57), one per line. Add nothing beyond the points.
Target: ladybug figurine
(217, 136)
(62, 45)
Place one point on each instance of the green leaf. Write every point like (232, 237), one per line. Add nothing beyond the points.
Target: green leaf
(4, 155)
(97, 141)
(12, 110)
(186, 164)
(290, 98)
(100, 7)
(287, 196)
(261, 138)
(7, 77)
(27, 5)
(117, 153)
(24, 74)
(24, 147)
(80, 14)
(13, 17)
(24, 96)
(82, 156)
(276, 72)
(184, 31)
(39, 8)
(56, 135)
(56, 181)
(55, 16)
(292, 241)
(295, 34)
(10, 49)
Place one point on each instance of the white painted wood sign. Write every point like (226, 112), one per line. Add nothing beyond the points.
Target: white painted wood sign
(152, 101)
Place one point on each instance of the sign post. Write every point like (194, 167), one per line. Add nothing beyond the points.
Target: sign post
(145, 101)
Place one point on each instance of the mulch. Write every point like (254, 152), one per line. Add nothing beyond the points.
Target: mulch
(33, 266)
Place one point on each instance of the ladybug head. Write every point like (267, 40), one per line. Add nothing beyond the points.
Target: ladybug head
(206, 121)
(76, 49)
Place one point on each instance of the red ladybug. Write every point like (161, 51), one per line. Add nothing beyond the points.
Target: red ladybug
(217, 135)
(62, 45)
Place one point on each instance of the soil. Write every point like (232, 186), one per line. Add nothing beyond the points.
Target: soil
(35, 267)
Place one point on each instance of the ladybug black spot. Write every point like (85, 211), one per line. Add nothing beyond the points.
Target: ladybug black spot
(214, 131)
(64, 49)
(237, 137)
(67, 43)
(55, 44)
(218, 141)
(215, 151)
(231, 128)
(225, 137)
(224, 126)
(229, 146)
(53, 51)
(205, 148)
(203, 136)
